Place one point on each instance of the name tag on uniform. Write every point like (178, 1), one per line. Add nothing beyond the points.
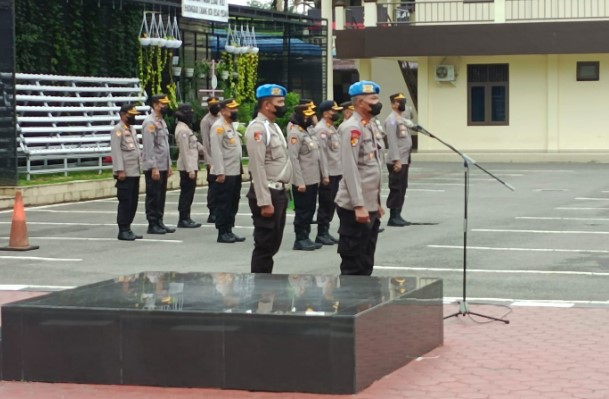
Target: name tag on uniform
(131, 146)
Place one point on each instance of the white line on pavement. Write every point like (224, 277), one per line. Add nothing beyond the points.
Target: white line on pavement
(98, 239)
(40, 258)
(540, 231)
(30, 287)
(490, 271)
(567, 208)
(418, 183)
(140, 213)
(55, 205)
(594, 251)
(591, 199)
(526, 302)
(386, 190)
(557, 218)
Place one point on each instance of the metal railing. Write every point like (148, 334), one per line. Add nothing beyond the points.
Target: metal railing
(464, 12)
(537, 10)
(435, 12)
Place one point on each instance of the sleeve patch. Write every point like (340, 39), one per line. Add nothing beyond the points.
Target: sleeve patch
(119, 133)
(354, 141)
(151, 128)
(355, 134)
(257, 136)
(293, 140)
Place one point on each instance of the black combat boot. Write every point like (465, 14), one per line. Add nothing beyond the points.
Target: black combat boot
(225, 237)
(154, 228)
(407, 223)
(394, 219)
(323, 236)
(167, 229)
(124, 234)
(236, 237)
(303, 243)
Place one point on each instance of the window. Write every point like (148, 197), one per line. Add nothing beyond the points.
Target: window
(487, 94)
(587, 71)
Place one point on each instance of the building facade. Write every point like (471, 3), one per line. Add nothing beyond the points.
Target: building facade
(506, 79)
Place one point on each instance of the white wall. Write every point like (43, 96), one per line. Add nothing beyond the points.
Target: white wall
(549, 110)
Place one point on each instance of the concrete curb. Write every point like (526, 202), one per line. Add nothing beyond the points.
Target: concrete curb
(80, 190)
(514, 157)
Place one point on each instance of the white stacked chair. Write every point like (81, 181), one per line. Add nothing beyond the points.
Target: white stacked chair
(64, 122)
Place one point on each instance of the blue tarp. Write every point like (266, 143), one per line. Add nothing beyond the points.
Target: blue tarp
(275, 45)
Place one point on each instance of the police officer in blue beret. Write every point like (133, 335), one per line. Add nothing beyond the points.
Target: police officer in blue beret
(359, 192)
(271, 172)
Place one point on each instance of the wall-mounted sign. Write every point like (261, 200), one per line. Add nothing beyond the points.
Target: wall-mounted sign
(211, 10)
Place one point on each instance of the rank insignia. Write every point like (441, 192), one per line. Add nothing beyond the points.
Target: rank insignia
(119, 133)
(355, 135)
(219, 130)
(151, 128)
(232, 140)
(293, 140)
(257, 136)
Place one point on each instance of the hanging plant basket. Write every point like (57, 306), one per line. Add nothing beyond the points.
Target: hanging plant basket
(190, 72)
(161, 32)
(176, 70)
(154, 32)
(144, 36)
(253, 43)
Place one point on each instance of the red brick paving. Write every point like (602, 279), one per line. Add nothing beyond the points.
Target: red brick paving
(543, 353)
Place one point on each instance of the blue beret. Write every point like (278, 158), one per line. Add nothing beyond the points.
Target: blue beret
(363, 87)
(270, 90)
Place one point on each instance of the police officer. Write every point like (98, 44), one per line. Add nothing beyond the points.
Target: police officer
(398, 159)
(126, 168)
(358, 198)
(157, 163)
(271, 171)
(330, 146)
(209, 119)
(226, 156)
(347, 109)
(309, 169)
(188, 164)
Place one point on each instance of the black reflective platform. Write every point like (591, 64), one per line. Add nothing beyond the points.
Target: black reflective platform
(302, 333)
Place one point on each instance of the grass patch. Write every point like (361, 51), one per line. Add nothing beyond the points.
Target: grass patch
(55, 178)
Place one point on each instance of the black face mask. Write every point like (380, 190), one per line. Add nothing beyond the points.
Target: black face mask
(131, 120)
(335, 117)
(214, 109)
(280, 111)
(375, 109)
(309, 122)
(402, 107)
(234, 116)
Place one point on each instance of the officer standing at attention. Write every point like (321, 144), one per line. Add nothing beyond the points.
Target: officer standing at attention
(226, 154)
(188, 164)
(126, 168)
(398, 159)
(209, 119)
(309, 168)
(271, 171)
(359, 192)
(330, 146)
(157, 163)
(347, 109)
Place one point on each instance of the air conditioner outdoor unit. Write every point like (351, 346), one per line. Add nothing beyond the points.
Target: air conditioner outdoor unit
(445, 73)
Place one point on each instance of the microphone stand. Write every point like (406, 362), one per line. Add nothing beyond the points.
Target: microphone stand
(467, 161)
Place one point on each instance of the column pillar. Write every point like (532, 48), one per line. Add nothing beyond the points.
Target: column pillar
(8, 125)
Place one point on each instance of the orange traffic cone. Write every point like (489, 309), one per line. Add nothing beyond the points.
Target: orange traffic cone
(18, 240)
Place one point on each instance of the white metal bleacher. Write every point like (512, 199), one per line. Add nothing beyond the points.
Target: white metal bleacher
(64, 122)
